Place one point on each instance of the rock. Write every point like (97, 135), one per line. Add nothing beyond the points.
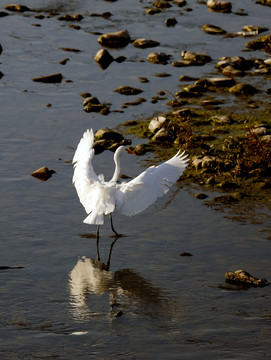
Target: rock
(128, 90)
(219, 5)
(115, 40)
(92, 104)
(118, 314)
(264, 2)
(76, 17)
(91, 100)
(209, 162)
(180, 3)
(231, 71)
(152, 11)
(100, 145)
(254, 29)
(161, 4)
(221, 81)
(162, 135)
(184, 253)
(244, 278)
(140, 149)
(71, 49)
(221, 120)
(201, 196)
(108, 134)
(64, 61)
(243, 89)
(262, 43)
(156, 123)
(103, 58)
(138, 101)
(171, 21)
(213, 29)
(18, 8)
(197, 58)
(224, 199)
(187, 78)
(43, 173)
(158, 58)
(145, 43)
(55, 78)
(261, 131)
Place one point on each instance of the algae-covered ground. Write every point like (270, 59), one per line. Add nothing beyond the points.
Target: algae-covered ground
(228, 151)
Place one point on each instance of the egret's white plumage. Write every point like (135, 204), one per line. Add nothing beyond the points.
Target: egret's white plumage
(101, 198)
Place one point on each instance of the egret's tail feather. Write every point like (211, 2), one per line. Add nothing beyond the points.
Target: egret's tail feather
(94, 219)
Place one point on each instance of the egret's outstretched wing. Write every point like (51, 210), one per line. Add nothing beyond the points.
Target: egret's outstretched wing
(139, 193)
(84, 177)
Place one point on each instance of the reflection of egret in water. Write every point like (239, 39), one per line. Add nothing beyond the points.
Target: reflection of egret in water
(125, 290)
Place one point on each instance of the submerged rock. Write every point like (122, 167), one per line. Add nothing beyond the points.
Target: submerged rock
(43, 173)
(244, 278)
(115, 40)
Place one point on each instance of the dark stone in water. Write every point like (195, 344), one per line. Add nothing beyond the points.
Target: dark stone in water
(55, 78)
(43, 173)
(184, 253)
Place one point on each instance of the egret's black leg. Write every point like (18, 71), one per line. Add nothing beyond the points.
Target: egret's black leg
(112, 227)
(97, 242)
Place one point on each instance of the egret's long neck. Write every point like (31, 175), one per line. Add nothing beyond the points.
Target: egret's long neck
(117, 165)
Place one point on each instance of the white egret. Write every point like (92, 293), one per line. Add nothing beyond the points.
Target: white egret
(101, 198)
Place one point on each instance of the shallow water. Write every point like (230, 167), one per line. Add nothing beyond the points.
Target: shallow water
(60, 304)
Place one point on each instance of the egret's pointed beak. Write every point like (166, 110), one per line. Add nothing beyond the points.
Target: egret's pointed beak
(130, 151)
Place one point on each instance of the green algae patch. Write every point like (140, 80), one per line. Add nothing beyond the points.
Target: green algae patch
(228, 151)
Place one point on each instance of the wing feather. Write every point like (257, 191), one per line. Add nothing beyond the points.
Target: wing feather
(84, 178)
(139, 193)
